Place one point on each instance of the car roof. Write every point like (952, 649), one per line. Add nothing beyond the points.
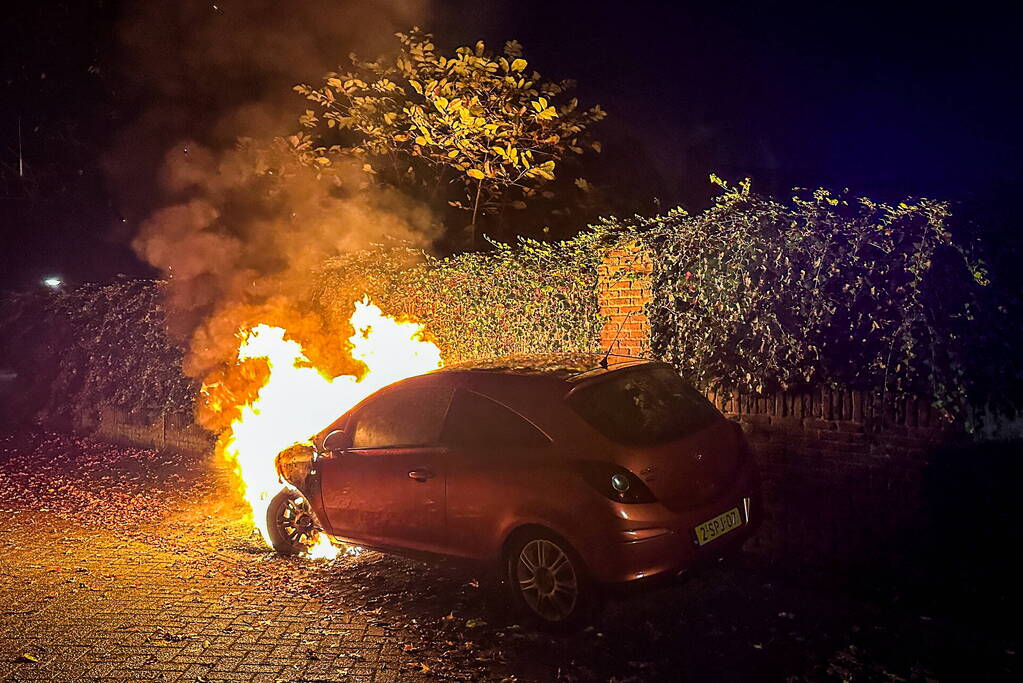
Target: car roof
(570, 367)
(533, 385)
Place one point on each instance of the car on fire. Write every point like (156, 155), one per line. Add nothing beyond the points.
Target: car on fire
(570, 472)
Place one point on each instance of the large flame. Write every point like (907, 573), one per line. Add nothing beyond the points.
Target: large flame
(297, 401)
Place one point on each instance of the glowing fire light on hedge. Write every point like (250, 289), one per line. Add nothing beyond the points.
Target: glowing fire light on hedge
(297, 401)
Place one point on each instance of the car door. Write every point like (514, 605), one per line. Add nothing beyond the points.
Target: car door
(498, 464)
(388, 486)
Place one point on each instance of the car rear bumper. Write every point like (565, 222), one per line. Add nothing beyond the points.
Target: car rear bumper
(652, 540)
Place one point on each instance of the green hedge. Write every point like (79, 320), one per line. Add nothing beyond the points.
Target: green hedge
(77, 349)
(755, 294)
(530, 297)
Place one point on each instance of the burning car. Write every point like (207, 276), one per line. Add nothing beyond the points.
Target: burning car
(570, 472)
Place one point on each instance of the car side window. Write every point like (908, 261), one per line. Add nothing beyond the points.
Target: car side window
(475, 420)
(402, 418)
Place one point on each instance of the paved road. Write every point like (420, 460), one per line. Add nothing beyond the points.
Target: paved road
(126, 564)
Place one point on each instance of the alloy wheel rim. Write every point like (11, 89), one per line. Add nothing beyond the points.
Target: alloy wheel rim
(547, 580)
(298, 523)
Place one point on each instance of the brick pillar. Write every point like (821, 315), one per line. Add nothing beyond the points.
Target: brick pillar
(623, 290)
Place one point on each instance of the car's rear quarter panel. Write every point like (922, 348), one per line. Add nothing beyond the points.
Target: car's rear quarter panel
(490, 495)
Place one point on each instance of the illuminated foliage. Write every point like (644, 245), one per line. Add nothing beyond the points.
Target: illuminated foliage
(756, 294)
(531, 297)
(483, 124)
(753, 295)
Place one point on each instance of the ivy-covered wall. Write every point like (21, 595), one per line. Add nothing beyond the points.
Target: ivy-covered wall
(752, 295)
(759, 295)
(531, 297)
(69, 352)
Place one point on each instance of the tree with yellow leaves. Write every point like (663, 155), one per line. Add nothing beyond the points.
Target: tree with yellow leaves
(480, 131)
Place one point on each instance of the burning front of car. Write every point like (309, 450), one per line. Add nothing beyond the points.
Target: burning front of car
(296, 400)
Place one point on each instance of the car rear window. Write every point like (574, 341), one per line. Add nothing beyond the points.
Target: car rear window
(644, 405)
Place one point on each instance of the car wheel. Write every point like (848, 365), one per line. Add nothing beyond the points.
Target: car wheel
(291, 523)
(548, 582)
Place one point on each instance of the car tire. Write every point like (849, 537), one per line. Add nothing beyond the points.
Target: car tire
(291, 523)
(548, 582)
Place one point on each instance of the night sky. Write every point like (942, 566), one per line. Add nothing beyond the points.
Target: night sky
(890, 101)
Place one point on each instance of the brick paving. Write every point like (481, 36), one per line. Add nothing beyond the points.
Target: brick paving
(119, 564)
(183, 595)
(90, 604)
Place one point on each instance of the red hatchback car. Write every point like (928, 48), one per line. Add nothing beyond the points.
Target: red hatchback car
(569, 472)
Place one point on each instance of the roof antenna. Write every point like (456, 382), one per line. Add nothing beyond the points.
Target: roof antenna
(603, 361)
(21, 159)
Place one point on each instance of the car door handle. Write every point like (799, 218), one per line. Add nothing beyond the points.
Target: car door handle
(420, 475)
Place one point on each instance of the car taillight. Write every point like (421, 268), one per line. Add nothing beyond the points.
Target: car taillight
(616, 483)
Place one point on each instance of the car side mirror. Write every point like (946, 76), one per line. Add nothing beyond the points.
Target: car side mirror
(335, 441)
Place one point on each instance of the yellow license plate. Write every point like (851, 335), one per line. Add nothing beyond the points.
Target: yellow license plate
(717, 527)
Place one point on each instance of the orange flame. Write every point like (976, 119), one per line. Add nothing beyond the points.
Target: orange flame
(297, 401)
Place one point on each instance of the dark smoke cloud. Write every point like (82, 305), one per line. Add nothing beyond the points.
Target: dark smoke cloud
(214, 71)
(221, 208)
(250, 225)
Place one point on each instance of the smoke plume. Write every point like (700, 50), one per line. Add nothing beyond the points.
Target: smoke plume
(222, 207)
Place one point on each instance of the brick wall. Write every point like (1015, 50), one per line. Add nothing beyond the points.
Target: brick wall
(623, 291)
(170, 431)
(842, 471)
